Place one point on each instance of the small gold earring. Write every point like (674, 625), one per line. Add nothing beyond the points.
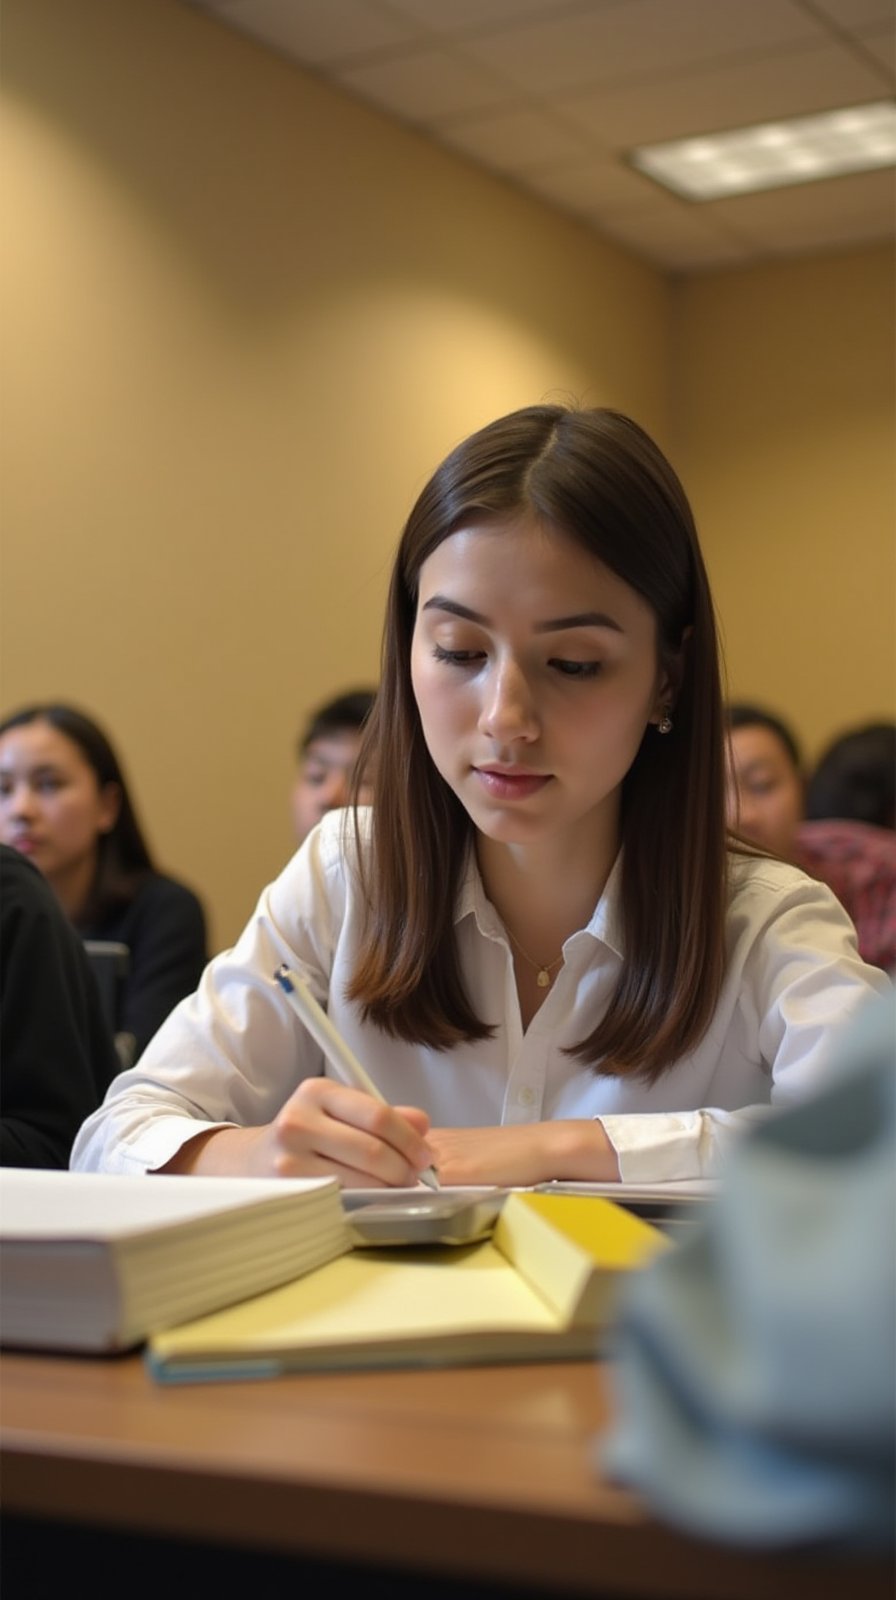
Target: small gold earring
(665, 723)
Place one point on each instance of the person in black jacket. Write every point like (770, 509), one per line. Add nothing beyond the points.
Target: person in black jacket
(64, 803)
(57, 1054)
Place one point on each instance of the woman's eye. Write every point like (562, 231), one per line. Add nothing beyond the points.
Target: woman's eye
(577, 669)
(456, 658)
(49, 785)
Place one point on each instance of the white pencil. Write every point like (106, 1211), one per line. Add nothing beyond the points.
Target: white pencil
(333, 1045)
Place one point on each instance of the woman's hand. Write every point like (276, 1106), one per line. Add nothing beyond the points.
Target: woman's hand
(517, 1157)
(324, 1130)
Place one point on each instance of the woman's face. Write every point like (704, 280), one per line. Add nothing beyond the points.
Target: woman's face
(765, 790)
(52, 807)
(535, 672)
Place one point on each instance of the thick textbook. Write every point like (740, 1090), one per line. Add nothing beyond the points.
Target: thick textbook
(93, 1262)
(540, 1288)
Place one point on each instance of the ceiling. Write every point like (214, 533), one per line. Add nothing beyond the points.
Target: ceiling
(551, 94)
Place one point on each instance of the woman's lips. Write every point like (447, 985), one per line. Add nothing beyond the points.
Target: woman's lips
(25, 844)
(510, 785)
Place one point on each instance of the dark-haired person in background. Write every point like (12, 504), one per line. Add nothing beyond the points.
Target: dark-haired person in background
(855, 777)
(767, 805)
(57, 1054)
(328, 754)
(64, 804)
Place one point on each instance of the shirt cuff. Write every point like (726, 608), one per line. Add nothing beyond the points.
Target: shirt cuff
(157, 1143)
(657, 1147)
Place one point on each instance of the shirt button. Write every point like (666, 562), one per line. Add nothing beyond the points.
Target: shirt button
(527, 1097)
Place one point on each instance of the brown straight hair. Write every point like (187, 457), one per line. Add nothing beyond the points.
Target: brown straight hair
(599, 478)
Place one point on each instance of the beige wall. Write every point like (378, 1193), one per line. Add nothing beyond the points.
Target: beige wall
(243, 318)
(784, 405)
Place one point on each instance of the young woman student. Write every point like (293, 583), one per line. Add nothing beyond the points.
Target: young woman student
(539, 939)
(64, 804)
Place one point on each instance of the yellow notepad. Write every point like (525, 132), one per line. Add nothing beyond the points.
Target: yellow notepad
(539, 1289)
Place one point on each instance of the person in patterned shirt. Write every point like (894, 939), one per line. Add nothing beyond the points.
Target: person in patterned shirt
(766, 804)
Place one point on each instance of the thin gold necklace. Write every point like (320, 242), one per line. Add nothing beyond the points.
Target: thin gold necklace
(542, 972)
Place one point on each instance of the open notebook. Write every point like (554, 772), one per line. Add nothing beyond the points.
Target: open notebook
(540, 1288)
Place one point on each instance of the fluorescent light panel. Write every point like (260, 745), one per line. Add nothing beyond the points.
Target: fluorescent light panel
(774, 154)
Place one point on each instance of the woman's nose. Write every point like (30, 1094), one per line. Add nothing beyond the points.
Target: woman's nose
(335, 791)
(508, 708)
(19, 801)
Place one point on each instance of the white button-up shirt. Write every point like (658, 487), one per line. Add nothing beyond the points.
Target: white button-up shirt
(232, 1053)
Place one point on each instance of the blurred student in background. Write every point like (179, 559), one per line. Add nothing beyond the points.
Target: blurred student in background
(64, 804)
(855, 777)
(328, 754)
(767, 805)
(57, 1054)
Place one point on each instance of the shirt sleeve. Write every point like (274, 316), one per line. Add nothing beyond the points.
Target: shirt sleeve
(797, 974)
(231, 1053)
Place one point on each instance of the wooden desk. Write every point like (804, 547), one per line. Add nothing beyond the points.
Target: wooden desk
(482, 1475)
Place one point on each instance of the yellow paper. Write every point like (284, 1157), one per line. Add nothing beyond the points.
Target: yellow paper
(538, 1288)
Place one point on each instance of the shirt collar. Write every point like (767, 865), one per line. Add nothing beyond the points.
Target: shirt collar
(604, 924)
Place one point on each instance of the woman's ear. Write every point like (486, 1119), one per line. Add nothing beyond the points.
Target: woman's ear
(669, 679)
(110, 806)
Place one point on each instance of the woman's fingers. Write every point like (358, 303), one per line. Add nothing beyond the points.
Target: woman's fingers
(327, 1127)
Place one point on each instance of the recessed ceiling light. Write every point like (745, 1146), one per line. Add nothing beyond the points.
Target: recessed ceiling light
(774, 154)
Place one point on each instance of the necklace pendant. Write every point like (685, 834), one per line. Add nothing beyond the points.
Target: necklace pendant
(543, 978)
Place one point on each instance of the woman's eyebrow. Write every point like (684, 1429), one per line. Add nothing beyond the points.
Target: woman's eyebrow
(44, 769)
(582, 619)
(440, 602)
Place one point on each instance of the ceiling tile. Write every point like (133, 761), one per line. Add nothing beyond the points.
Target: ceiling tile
(854, 14)
(673, 243)
(635, 38)
(599, 183)
(514, 141)
(313, 32)
(456, 16)
(427, 85)
(733, 95)
(881, 44)
(552, 93)
(815, 215)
